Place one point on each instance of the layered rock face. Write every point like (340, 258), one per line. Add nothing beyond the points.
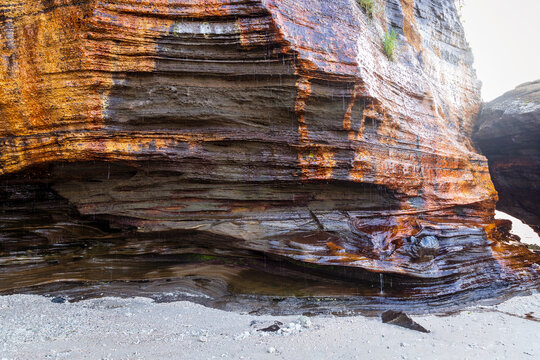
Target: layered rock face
(280, 126)
(508, 133)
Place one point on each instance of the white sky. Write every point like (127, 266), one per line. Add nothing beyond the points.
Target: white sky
(505, 39)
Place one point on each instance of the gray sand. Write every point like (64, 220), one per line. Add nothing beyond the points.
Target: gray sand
(32, 327)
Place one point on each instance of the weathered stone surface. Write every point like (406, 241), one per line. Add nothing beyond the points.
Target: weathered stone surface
(281, 125)
(509, 135)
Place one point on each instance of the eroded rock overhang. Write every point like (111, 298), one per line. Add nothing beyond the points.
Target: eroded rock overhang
(279, 123)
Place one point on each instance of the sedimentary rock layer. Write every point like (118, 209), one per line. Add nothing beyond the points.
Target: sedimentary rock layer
(280, 124)
(508, 134)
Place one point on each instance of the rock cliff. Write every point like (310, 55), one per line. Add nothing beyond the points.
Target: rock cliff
(509, 135)
(278, 125)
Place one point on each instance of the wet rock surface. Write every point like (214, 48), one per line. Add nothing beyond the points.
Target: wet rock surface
(425, 248)
(194, 141)
(508, 133)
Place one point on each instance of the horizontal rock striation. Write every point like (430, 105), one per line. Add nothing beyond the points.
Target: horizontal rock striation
(279, 124)
(508, 133)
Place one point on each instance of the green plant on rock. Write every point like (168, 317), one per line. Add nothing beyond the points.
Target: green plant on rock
(390, 44)
(368, 5)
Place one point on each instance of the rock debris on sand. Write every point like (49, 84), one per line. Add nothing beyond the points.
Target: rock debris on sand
(399, 318)
(33, 327)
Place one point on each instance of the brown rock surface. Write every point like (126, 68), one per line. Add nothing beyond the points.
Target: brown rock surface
(280, 126)
(509, 135)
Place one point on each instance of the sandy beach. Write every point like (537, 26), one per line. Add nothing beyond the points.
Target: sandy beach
(33, 327)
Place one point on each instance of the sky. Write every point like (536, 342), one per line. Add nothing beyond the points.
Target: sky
(505, 39)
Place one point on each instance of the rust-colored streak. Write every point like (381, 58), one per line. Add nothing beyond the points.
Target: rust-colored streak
(316, 160)
(357, 90)
(40, 46)
(409, 24)
(304, 90)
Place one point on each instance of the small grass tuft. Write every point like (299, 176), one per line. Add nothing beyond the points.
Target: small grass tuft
(390, 44)
(368, 5)
(533, 246)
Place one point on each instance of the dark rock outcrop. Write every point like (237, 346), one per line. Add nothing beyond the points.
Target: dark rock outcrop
(401, 319)
(509, 135)
(279, 127)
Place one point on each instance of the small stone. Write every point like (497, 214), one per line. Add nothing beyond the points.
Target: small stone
(203, 339)
(304, 321)
(58, 300)
(242, 336)
(271, 350)
(271, 328)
